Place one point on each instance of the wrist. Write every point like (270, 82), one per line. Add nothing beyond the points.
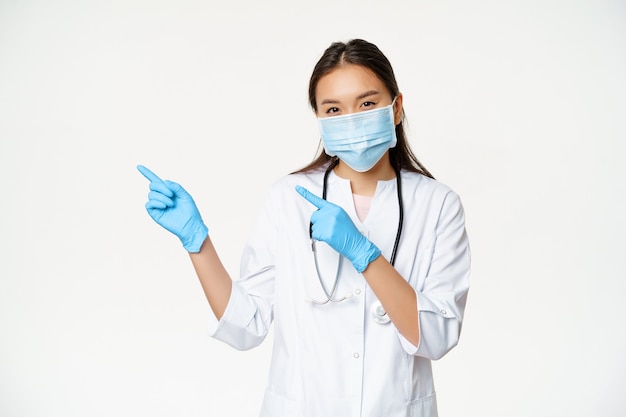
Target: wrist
(367, 254)
(193, 241)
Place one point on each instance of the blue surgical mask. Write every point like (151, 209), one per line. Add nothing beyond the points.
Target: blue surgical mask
(359, 139)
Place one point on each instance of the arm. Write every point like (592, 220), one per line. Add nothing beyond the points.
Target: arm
(397, 297)
(243, 309)
(332, 225)
(430, 317)
(442, 295)
(215, 281)
(174, 209)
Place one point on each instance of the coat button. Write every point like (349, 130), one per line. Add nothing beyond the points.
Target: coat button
(356, 355)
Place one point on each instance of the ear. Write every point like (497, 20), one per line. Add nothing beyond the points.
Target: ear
(397, 110)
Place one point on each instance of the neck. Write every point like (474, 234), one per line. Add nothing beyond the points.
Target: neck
(364, 183)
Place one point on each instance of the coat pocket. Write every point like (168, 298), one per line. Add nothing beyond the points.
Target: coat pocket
(277, 406)
(424, 407)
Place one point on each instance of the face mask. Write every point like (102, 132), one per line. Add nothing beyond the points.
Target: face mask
(359, 139)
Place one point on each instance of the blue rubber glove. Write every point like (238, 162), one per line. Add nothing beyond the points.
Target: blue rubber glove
(331, 224)
(173, 208)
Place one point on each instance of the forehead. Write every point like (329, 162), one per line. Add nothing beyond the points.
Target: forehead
(348, 81)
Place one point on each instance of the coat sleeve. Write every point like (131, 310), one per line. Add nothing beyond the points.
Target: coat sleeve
(249, 312)
(441, 300)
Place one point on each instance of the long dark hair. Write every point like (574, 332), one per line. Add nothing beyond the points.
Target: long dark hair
(365, 54)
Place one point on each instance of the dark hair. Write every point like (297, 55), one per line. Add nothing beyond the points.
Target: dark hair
(365, 54)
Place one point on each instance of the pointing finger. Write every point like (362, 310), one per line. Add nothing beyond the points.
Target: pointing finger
(310, 197)
(151, 176)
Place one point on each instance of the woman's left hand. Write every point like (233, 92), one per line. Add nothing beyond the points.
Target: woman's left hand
(331, 224)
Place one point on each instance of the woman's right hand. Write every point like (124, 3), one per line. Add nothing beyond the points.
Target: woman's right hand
(174, 209)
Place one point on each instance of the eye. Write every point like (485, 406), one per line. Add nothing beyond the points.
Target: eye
(368, 104)
(332, 110)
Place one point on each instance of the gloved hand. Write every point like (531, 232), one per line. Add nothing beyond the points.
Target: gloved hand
(173, 208)
(331, 224)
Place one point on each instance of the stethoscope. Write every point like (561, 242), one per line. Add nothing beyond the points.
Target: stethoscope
(378, 312)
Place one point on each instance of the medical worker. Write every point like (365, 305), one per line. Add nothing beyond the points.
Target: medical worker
(360, 260)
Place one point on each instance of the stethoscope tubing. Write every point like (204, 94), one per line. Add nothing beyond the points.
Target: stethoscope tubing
(331, 294)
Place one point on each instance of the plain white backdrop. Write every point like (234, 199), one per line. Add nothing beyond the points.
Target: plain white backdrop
(519, 106)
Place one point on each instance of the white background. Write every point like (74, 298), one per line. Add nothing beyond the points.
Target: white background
(518, 106)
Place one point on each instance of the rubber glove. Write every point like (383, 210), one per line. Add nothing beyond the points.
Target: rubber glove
(331, 224)
(173, 208)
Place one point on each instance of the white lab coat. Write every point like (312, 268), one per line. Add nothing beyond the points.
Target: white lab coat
(334, 360)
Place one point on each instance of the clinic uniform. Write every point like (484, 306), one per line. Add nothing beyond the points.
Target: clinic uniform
(335, 359)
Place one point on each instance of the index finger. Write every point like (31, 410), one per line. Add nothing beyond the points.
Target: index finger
(310, 197)
(149, 174)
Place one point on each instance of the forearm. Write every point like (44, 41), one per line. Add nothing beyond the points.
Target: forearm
(397, 297)
(215, 281)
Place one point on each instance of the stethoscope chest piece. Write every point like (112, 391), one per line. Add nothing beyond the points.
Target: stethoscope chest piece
(379, 315)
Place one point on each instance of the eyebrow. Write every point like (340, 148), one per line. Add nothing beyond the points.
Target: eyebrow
(359, 97)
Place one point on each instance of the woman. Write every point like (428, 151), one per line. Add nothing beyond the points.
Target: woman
(360, 259)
